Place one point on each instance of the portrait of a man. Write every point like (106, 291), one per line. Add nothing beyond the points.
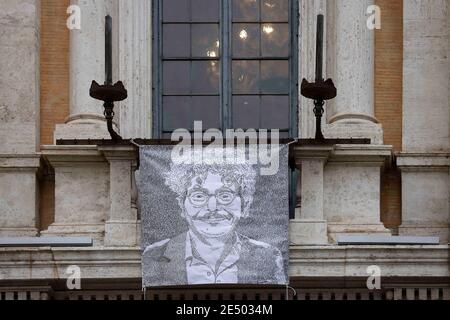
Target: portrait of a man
(213, 200)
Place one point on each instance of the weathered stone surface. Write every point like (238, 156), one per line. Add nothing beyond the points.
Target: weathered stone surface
(19, 215)
(19, 83)
(425, 192)
(87, 63)
(306, 261)
(424, 161)
(121, 226)
(353, 129)
(351, 57)
(308, 232)
(426, 76)
(352, 189)
(135, 56)
(81, 191)
(18, 195)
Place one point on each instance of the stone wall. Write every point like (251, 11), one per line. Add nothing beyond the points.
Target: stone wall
(424, 159)
(19, 116)
(19, 83)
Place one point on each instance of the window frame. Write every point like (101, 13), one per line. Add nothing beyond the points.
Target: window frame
(225, 92)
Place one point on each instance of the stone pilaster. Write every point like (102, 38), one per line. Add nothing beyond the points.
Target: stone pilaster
(425, 190)
(310, 226)
(424, 160)
(135, 62)
(121, 226)
(426, 76)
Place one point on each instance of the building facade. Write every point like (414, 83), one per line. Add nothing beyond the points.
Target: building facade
(243, 60)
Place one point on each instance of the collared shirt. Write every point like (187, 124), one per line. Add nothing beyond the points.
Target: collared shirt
(200, 272)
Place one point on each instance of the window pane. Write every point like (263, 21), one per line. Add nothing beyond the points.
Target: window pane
(205, 77)
(275, 77)
(246, 38)
(245, 10)
(246, 77)
(176, 77)
(205, 10)
(275, 10)
(206, 109)
(176, 10)
(246, 112)
(176, 41)
(275, 112)
(205, 40)
(275, 40)
(177, 113)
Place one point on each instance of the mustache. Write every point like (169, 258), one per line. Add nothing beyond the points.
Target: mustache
(207, 214)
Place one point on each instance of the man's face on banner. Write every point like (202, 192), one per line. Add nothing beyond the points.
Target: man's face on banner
(213, 205)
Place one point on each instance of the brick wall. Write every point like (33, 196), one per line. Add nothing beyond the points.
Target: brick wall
(54, 67)
(388, 99)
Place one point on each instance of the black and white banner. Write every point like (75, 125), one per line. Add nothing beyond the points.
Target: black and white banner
(211, 221)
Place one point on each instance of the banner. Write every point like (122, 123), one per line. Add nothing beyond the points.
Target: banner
(208, 220)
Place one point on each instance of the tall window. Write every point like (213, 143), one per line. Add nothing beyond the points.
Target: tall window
(228, 63)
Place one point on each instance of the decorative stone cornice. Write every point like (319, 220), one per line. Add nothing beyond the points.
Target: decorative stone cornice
(119, 152)
(68, 155)
(19, 162)
(423, 161)
(362, 154)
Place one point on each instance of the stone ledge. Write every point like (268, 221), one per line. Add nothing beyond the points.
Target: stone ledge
(305, 261)
(364, 154)
(423, 161)
(72, 154)
(15, 161)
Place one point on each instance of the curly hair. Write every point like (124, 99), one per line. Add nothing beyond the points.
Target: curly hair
(179, 179)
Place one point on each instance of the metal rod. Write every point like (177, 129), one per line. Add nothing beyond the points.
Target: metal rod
(318, 111)
(319, 49)
(108, 50)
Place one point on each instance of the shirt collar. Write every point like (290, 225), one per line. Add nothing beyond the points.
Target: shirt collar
(231, 258)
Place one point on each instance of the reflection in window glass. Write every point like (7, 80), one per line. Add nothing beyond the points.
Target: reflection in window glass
(245, 77)
(275, 10)
(205, 10)
(176, 112)
(256, 75)
(275, 40)
(206, 109)
(246, 38)
(176, 11)
(179, 44)
(275, 77)
(181, 112)
(205, 75)
(275, 112)
(176, 77)
(246, 111)
(205, 40)
(245, 10)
